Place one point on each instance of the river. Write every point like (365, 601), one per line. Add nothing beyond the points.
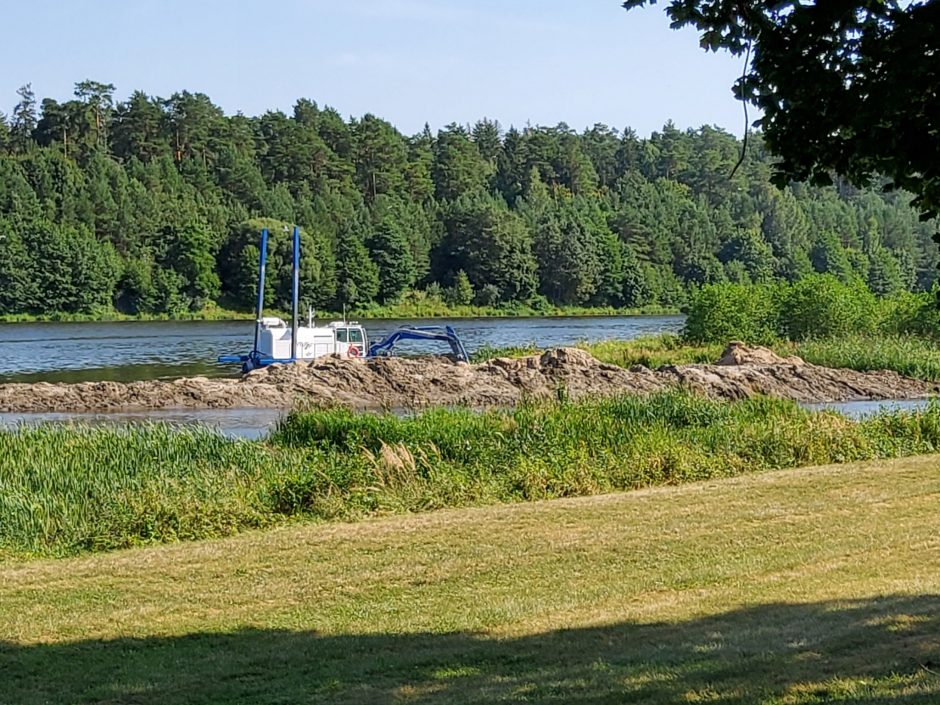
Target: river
(125, 351)
(133, 350)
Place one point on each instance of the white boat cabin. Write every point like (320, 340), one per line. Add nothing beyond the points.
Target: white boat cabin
(344, 338)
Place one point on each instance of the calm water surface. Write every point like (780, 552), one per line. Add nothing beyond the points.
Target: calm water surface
(237, 423)
(133, 350)
(861, 409)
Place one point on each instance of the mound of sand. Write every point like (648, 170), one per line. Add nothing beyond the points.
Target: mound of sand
(392, 382)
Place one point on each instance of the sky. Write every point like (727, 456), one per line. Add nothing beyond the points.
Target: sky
(410, 62)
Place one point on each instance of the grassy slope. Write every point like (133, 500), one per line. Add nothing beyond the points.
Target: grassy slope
(802, 586)
(65, 491)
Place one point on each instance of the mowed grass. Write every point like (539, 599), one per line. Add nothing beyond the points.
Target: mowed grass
(819, 585)
(72, 490)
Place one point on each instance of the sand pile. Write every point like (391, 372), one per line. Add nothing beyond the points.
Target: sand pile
(392, 382)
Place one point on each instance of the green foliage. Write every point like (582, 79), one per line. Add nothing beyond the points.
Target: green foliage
(567, 253)
(152, 207)
(636, 289)
(719, 313)
(842, 88)
(390, 250)
(461, 293)
(908, 355)
(71, 490)
(190, 252)
(492, 246)
(828, 256)
(357, 276)
(822, 306)
(817, 306)
(67, 269)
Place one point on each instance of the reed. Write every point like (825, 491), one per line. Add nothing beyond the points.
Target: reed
(908, 355)
(68, 490)
(72, 489)
(651, 351)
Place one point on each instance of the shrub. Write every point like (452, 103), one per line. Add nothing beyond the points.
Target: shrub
(722, 312)
(821, 306)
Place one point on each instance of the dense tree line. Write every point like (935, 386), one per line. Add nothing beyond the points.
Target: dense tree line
(153, 205)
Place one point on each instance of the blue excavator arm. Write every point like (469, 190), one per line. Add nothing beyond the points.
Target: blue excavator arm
(442, 333)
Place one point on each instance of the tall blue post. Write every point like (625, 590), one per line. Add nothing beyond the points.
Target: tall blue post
(295, 303)
(259, 308)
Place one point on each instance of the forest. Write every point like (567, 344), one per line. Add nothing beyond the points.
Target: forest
(152, 206)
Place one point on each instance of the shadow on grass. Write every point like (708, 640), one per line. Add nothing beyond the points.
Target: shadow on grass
(873, 651)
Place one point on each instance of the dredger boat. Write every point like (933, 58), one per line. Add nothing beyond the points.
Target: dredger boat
(275, 341)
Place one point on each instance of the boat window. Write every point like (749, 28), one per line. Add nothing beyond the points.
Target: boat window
(355, 335)
(341, 335)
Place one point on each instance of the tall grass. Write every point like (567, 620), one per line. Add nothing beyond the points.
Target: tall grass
(652, 351)
(908, 355)
(905, 354)
(71, 490)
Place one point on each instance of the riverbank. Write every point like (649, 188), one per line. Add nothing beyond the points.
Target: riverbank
(408, 383)
(71, 490)
(399, 311)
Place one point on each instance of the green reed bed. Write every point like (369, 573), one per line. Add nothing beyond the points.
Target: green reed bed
(71, 490)
(652, 351)
(908, 355)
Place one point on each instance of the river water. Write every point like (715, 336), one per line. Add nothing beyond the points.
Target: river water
(134, 350)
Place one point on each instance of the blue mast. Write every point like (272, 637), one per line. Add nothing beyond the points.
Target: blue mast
(295, 295)
(259, 308)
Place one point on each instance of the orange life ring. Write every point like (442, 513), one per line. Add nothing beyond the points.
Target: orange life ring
(354, 351)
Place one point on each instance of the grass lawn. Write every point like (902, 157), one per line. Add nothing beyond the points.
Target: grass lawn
(814, 585)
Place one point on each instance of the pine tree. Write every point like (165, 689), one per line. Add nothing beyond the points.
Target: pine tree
(461, 293)
(357, 277)
(390, 250)
(24, 119)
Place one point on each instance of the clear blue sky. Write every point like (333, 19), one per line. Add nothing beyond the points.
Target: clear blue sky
(408, 61)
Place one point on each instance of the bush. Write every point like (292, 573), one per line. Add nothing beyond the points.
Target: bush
(820, 306)
(817, 306)
(719, 313)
